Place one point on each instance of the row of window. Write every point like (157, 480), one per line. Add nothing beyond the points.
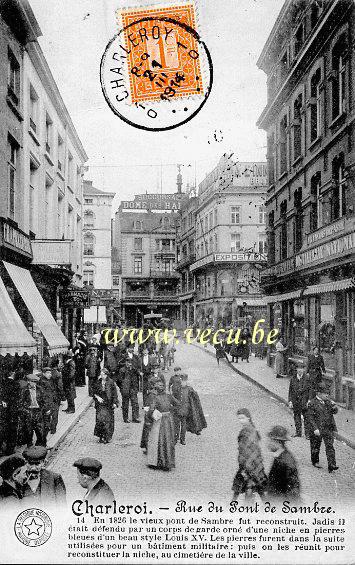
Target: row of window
(164, 266)
(280, 151)
(235, 218)
(210, 246)
(166, 222)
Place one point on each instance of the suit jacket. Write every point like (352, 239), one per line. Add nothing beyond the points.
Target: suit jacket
(283, 481)
(51, 489)
(128, 380)
(26, 399)
(299, 391)
(315, 366)
(321, 416)
(101, 494)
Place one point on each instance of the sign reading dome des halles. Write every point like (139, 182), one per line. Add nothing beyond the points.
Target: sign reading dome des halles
(153, 202)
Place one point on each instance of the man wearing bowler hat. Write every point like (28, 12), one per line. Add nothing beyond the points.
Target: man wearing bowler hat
(283, 480)
(88, 473)
(13, 474)
(43, 486)
(321, 412)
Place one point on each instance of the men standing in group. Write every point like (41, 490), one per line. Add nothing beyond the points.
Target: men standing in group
(321, 410)
(283, 480)
(129, 386)
(68, 376)
(88, 473)
(298, 396)
(43, 487)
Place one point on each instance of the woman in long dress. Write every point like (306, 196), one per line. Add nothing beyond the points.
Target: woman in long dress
(106, 399)
(280, 359)
(250, 477)
(161, 438)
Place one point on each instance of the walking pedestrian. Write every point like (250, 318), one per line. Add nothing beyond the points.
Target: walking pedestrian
(80, 351)
(298, 397)
(161, 440)
(220, 353)
(68, 376)
(280, 359)
(97, 490)
(283, 481)
(43, 487)
(106, 400)
(321, 410)
(244, 345)
(250, 477)
(315, 369)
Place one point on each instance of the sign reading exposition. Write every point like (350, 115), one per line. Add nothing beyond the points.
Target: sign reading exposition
(153, 202)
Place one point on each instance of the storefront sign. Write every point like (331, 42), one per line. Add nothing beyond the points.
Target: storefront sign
(337, 247)
(75, 298)
(153, 202)
(283, 268)
(240, 257)
(100, 295)
(327, 231)
(15, 239)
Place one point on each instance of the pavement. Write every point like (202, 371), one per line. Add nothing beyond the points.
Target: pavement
(206, 465)
(258, 372)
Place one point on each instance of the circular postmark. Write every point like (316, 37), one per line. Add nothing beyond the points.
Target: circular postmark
(33, 527)
(156, 74)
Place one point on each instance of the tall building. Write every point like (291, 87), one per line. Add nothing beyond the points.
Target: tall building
(40, 196)
(230, 243)
(309, 119)
(145, 239)
(97, 271)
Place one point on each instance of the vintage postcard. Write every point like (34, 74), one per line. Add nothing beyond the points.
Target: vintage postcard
(177, 281)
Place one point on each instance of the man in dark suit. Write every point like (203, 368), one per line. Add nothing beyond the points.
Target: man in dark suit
(316, 369)
(129, 386)
(68, 377)
(321, 412)
(283, 480)
(88, 472)
(298, 396)
(43, 487)
(33, 409)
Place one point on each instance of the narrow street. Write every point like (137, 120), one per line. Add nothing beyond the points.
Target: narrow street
(206, 465)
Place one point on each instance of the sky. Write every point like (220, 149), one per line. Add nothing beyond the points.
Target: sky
(126, 160)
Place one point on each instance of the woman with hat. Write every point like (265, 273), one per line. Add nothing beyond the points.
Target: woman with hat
(161, 439)
(283, 480)
(250, 476)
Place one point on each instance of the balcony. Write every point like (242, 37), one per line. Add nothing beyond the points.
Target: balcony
(55, 252)
(164, 274)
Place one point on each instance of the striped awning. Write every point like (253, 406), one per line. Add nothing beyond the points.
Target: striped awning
(282, 297)
(332, 286)
(57, 342)
(14, 337)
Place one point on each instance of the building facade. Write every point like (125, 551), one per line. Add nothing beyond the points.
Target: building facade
(309, 120)
(40, 203)
(230, 243)
(97, 265)
(146, 245)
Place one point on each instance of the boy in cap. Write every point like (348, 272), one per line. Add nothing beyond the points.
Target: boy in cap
(13, 474)
(283, 480)
(322, 425)
(43, 486)
(33, 407)
(88, 473)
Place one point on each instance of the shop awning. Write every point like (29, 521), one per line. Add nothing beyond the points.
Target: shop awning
(282, 297)
(251, 301)
(14, 338)
(57, 342)
(329, 287)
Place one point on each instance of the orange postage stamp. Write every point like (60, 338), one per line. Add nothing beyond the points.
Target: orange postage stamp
(162, 50)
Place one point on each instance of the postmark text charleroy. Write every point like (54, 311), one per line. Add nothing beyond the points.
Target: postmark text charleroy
(156, 73)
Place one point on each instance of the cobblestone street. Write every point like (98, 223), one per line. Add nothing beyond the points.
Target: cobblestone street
(206, 465)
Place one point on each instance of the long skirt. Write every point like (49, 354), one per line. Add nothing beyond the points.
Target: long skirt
(105, 422)
(279, 363)
(161, 443)
(145, 433)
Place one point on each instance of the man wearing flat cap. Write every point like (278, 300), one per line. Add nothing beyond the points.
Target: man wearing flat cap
(43, 487)
(321, 412)
(283, 480)
(88, 473)
(33, 410)
(13, 474)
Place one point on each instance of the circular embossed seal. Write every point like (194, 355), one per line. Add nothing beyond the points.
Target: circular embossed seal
(156, 73)
(33, 527)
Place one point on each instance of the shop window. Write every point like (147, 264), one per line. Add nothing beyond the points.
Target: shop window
(298, 220)
(235, 214)
(138, 265)
(271, 157)
(338, 199)
(12, 149)
(299, 327)
(297, 127)
(316, 105)
(283, 233)
(316, 205)
(235, 242)
(338, 78)
(283, 145)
